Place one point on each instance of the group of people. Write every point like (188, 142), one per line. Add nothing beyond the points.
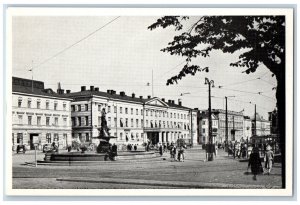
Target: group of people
(255, 161)
(238, 149)
(177, 155)
(132, 147)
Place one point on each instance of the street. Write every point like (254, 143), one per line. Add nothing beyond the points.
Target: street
(155, 173)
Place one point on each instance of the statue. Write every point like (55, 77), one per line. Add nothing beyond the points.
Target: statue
(104, 135)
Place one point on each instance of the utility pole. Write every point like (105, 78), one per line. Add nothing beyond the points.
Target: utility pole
(255, 120)
(226, 126)
(210, 148)
(152, 84)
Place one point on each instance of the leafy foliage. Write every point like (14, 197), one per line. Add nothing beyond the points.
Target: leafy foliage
(261, 38)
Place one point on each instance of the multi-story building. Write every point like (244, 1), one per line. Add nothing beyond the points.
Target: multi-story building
(203, 128)
(131, 119)
(260, 126)
(40, 112)
(235, 125)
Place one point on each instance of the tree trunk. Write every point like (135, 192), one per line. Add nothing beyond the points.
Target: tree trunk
(280, 95)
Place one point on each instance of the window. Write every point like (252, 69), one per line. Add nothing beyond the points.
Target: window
(55, 137)
(20, 138)
(151, 124)
(73, 121)
(56, 121)
(64, 107)
(29, 120)
(99, 107)
(203, 122)
(109, 121)
(141, 111)
(38, 104)
(86, 107)
(48, 138)
(146, 112)
(20, 117)
(47, 121)
(151, 113)
(159, 113)
(115, 109)
(19, 102)
(131, 122)
(174, 115)
(121, 136)
(203, 130)
(73, 108)
(55, 106)
(170, 115)
(29, 103)
(137, 111)
(126, 110)
(126, 122)
(38, 120)
(115, 122)
(121, 122)
(163, 114)
(137, 122)
(87, 137)
(47, 105)
(115, 134)
(99, 121)
(13, 138)
(86, 120)
(155, 114)
(79, 108)
(108, 109)
(132, 111)
(121, 110)
(80, 137)
(159, 124)
(79, 121)
(65, 121)
(181, 116)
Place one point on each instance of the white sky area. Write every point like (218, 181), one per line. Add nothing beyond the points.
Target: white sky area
(122, 55)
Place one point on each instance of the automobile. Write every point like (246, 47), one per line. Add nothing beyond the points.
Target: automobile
(21, 148)
(47, 148)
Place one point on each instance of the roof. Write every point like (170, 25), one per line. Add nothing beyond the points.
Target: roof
(89, 93)
(36, 91)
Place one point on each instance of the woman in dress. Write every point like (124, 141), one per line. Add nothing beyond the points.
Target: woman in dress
(255, 163)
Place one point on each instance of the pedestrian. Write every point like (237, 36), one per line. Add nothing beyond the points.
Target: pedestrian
(135, 147)
(174, 152)
(269, 157)
(114, 149)
(216, 150)
(255, 163)
(160, 150)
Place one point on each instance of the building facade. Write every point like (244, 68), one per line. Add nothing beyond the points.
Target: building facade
(204, 128)
(247, 128)
(260, 126)
(131, 119)
(39, 112)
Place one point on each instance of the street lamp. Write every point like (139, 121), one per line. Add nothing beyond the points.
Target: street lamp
(210, 148)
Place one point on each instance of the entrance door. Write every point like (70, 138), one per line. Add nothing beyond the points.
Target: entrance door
(153, 137)
(31, 140)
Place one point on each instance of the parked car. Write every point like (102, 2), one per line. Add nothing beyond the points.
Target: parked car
(21, 148)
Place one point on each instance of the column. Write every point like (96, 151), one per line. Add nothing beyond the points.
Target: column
(163, 137)
(159, 137)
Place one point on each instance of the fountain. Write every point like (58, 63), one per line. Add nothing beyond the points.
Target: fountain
(105, 150)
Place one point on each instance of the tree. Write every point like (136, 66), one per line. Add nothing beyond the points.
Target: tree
(260, 39)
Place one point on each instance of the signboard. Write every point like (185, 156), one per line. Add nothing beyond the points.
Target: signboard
(35, 140)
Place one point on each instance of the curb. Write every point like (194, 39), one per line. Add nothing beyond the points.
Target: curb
(175, 184)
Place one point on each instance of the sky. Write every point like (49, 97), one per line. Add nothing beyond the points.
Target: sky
(122, 55)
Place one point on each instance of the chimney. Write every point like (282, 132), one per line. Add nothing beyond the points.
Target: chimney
(169, 101)
(163, 99)
(68, 91)
(141, 97)
(108, 91)
(122, 93)
(149, 96)
(96, 89)
(62, 91)
(91, 88)
(83, 88)
(113, 92)
(179, 102)
(133, 95)
(173, 102)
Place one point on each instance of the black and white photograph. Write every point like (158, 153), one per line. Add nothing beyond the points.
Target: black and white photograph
(149, 101)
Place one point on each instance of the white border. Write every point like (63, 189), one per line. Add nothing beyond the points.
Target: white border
(153, 12)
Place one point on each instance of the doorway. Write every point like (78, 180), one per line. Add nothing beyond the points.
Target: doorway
(31, 140)
(153, 137)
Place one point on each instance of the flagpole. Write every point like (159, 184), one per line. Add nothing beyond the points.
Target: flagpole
(31, 76)
(152, 84)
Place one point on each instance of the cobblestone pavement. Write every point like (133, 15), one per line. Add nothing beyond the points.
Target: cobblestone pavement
(223, 170)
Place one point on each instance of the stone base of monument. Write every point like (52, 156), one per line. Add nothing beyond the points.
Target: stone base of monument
(88, 157)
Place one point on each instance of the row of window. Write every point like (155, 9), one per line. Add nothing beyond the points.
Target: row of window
(49, 138)
(39, 120)
(38, 104)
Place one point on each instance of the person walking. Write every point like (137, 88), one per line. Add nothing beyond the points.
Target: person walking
(255, 163)
(135, 147)
(174, 152)
(269, 157)
(160, 149)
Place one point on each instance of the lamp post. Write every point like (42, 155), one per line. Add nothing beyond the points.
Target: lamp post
(210, 147)
(226, 123)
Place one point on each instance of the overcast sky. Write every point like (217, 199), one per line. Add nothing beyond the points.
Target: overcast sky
(122, 55)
